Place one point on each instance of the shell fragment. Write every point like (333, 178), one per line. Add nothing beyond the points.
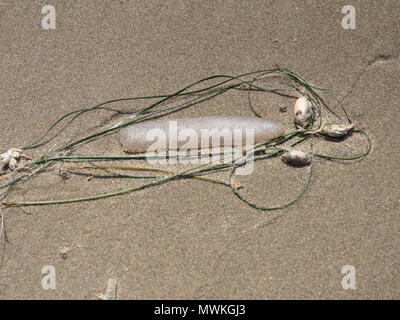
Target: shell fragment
(10, 158)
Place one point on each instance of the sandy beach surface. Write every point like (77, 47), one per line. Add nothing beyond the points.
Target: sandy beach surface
(191, 239)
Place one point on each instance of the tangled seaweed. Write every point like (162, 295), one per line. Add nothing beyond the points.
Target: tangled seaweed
(292, 84)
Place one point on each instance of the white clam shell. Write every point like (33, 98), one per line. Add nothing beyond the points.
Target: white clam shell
(302, 112)
(296, 157)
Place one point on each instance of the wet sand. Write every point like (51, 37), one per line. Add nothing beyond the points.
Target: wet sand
(189, 239)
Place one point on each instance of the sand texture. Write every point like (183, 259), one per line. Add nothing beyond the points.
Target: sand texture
(189, 239)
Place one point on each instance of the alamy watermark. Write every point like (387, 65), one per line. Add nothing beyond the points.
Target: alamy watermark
(49, 278)
(49, 19)
(222, 146)
(349, 280)
(349, 20)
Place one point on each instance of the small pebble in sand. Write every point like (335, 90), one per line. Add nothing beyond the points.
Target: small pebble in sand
(237, 186)
(283, 109)
(64, 252)
(64, 175)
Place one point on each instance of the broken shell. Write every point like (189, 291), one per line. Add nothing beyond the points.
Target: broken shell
(296, 157)
(18, 153)
(5, 159)
(336, 130)
(12, 164)
(302, 112)
(14, 154)
(11, 157)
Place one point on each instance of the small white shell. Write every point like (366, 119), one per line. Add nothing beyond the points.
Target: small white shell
(296, 157)
(336, 130)
(302, 112)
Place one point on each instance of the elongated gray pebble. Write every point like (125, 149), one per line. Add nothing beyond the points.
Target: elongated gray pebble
(203, 132)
